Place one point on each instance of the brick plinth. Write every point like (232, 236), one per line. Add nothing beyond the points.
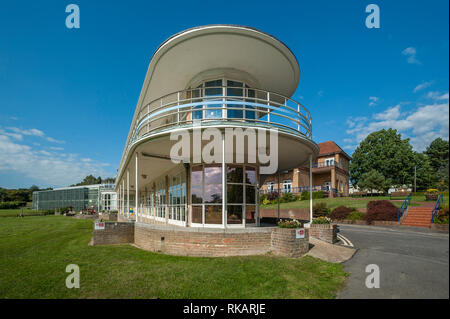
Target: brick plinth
(285, 243)
(325, 232)
(114, 233)
(189, 241)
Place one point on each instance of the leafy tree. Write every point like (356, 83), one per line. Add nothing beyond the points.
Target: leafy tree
(437, 152)
(374, 180)
(424, 171)
(443, 177)
(90, 180)
(387, 153)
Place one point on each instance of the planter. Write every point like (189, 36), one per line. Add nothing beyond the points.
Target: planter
(285, 243)
(325, 232)
(431, 196)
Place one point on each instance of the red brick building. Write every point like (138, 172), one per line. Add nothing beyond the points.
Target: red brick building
(329, 174)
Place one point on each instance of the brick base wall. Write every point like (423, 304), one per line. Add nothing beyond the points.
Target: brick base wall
(285, 243)
(189, 241)
(114, 233)
(204, 242)
(325, 232)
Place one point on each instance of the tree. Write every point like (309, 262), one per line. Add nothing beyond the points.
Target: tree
(443, 177)
(90, 180)
(424, 171)
(387, 153)
(437, 152)
(374, 180)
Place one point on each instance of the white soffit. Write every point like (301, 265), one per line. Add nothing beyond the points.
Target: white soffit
(188, 53)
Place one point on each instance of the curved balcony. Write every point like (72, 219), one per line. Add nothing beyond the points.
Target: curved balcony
(223, 105)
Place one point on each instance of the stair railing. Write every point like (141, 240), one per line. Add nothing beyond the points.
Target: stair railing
(404, 207)
(437, 207)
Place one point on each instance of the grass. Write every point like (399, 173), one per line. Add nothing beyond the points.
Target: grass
(34, 253)
(17, 211)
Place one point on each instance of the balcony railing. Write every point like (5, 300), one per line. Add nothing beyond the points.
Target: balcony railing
(325, 164)
(257, 108)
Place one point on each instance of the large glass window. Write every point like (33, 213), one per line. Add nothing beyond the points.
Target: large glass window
(235, 91)
(160, 201)
(241, 194)
(206, 194)
(177, 198)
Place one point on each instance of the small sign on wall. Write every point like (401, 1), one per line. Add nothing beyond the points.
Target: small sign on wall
(99, 226)
(300, 233)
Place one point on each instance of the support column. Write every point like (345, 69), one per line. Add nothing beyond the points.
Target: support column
(123, 197)
(137, 189)
(279, 194)
(224, 187)
(118, 200)
(128, 193)
(310, 190)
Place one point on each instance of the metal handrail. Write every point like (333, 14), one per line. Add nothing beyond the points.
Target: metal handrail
(403, 207)
(437, 207)
(178, 109)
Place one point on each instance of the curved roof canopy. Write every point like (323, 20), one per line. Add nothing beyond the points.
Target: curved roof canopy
(181, 58)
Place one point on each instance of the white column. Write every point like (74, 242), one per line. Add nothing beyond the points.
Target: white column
(224, 189)
(128, 192)
(117, 201)
(310, 190)
(137, 189)
(123, 196)
(279, 194)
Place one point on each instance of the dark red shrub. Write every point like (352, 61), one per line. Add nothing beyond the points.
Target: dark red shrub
(340, 212)
(381, 210)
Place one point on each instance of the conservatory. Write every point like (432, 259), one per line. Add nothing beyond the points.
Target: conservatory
(202, 84)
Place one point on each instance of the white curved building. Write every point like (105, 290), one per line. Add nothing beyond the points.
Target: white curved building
(200, 84)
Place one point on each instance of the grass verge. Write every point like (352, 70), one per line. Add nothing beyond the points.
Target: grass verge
(34, 253)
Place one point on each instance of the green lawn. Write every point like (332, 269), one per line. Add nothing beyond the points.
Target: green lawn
(15, 212)
(34, 252)
(345, 201)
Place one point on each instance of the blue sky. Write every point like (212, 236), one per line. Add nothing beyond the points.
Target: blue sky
(67, 96)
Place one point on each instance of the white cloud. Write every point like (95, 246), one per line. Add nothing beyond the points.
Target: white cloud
(390, 114)
(51, 139)
(422, 86)
(411, 52)
(422, 125)
(30, 132)
(437, 96)
(48, 168)
(373, 100)
(54, 148)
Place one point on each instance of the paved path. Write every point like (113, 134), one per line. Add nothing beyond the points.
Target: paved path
(413, 263)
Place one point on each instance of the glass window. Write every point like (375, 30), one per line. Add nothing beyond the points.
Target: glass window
(250, 214)
(250, 175)
(234, 88)
(197, 214)
(234, 174)
(213, 214)
(213, 88)
(234, 214)
(235, 194)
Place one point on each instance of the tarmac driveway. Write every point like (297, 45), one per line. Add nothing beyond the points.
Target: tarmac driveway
(413, 263)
